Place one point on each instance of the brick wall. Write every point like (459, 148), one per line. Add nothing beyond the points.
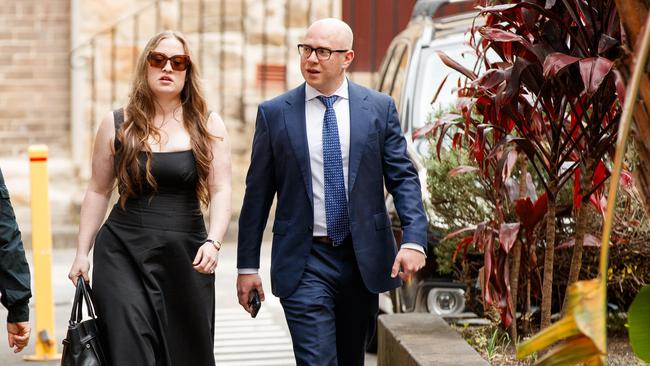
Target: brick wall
(34, 79)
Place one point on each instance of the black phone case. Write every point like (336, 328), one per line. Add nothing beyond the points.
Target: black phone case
(255, 303)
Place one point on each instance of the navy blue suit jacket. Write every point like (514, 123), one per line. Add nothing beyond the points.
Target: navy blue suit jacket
(280, 165)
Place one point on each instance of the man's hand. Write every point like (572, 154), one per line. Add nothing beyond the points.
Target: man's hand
(245, 284)
(18, 335)
(410, 260)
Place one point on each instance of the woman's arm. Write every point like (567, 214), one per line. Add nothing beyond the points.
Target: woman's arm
(219, 181)
(95, 202)
(220, 189)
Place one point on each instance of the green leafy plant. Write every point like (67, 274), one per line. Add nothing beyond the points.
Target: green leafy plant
(489, 340)
(456, 200)
(639, 324)
(499, 341)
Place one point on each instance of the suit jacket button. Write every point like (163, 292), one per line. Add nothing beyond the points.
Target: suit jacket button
(310, 228)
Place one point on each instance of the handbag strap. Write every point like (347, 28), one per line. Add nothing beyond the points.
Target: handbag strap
(74, 316)
(88, 296)
(82, 292)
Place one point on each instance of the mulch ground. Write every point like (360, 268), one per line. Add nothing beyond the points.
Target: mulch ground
(503, 353)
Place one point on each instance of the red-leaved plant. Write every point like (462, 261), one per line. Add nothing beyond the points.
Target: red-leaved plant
(554, 94)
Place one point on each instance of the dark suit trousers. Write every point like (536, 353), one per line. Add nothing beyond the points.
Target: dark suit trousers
(331, 314)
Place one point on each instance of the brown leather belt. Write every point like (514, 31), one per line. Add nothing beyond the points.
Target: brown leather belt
(323, 240)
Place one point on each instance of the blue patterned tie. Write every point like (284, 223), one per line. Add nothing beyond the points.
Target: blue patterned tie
(336, 204)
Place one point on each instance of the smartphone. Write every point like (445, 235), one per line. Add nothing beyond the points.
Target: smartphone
(254, 302)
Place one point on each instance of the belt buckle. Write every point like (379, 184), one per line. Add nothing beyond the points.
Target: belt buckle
(324, 240)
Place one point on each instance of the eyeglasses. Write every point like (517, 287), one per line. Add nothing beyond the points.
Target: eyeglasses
(322, 54)
(178, 62)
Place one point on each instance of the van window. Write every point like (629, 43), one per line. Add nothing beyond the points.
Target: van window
(391, 63)
(431, 72)
(400, 75)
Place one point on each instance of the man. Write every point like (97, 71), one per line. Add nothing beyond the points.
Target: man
(326, 148)
(14, 274)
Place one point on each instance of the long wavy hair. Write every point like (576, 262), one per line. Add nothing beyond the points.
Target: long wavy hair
(138, 126)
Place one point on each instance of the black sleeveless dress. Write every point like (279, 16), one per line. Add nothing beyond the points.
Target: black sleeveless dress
(154, 308)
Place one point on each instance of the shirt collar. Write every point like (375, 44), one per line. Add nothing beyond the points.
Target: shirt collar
(342, 91)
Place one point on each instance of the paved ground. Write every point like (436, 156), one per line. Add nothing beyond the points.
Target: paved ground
(234, 346)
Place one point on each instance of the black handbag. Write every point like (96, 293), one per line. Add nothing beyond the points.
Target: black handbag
(82, 346)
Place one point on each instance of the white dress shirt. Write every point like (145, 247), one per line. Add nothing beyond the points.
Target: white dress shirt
(314, 116)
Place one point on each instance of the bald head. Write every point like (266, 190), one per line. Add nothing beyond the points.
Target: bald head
(337, 31)
(324, 70)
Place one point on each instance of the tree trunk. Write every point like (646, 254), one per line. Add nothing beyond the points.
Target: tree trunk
(514, 287)
(581, 228)
(516, 254)
(525, 323)
(549, 252)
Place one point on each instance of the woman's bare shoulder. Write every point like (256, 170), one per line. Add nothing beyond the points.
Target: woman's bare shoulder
(106, 130)
(216, 126)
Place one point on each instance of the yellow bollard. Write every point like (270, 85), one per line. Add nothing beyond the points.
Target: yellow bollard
(42, 257)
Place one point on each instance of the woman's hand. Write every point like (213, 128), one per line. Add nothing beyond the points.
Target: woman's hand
(80, 267)
(207, 258)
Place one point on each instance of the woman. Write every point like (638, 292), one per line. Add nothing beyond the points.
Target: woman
(154, 262)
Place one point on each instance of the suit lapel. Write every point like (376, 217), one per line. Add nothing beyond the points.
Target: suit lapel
(359, 125)
(296, 126)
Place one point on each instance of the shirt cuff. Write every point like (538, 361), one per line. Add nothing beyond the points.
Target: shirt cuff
(414, 247)
(18, 314)
(247, 270)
